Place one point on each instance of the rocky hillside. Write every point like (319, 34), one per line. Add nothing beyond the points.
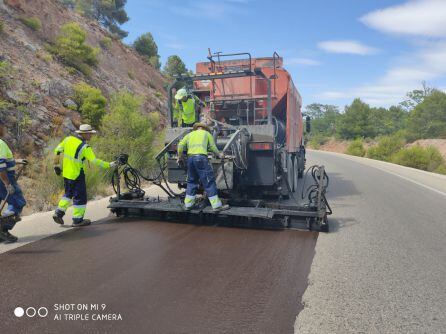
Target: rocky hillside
(37, 87)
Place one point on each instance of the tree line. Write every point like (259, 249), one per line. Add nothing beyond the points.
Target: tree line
(421, 115)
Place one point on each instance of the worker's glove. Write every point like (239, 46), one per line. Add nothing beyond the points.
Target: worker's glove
(57, 170)
(221, 155)
(21, 161)
(10, 189)
(113, 164)
(180, 162)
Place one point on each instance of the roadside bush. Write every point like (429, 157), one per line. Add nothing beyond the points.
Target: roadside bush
(356, 147)
(317, 140)
(6, 71)
(32, 22)
(441, 169)
(125, 130)
(70, 47)
(91, 103)
(105, 43)
(428, 158)
(386, 147)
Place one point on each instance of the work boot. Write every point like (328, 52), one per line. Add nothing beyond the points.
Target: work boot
(10, 238)
(58, 219)
(222, 208)
(84, 222)
(3, 236)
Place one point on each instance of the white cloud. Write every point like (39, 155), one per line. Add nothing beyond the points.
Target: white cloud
(416, 17)
(302, 61)
(347, 46)
(425, 65)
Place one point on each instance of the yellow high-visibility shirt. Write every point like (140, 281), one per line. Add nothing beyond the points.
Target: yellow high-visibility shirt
(197, 142)
(75, 152)
(184, 112)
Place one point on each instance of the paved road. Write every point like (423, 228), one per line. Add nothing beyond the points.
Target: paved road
(160, 278)
(383, 268)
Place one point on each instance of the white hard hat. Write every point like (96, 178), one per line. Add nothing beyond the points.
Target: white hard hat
(85, 128)
(180, 94)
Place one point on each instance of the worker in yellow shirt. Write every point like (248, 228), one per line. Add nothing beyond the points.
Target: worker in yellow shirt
(198, 144)
(76, 151)
(187, 108)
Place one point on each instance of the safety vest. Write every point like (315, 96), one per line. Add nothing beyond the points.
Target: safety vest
(7, 162)
(197, 142)
(185, 111)
(75, 152)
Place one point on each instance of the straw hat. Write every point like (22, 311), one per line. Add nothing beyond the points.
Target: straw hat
(85, 128)
(201, 125)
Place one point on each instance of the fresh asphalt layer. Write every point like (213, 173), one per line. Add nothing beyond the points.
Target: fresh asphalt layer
(381, 269)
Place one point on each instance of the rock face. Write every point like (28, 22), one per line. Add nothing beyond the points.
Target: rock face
(36, 94)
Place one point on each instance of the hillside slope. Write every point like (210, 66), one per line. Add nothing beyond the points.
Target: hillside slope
(43, 85)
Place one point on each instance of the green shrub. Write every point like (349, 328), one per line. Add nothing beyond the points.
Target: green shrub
(32, 22)
(46, 57)
(441, 169)
(428, 158)
(125, 130)
(386, 147)
(131, 75)
(6, 72)
(317, 140)
(356, 147)
(105, 43)
(70, 47)
(91, 103)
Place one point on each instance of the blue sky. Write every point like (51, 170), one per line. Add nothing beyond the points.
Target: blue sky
(335, 50)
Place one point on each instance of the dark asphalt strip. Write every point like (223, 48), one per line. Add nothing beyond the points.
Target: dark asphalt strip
(160, 278)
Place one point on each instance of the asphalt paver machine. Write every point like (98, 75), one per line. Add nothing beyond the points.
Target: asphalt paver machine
(254, 111)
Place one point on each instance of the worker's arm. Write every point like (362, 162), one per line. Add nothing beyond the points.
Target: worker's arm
(182, 145)
(90, 156)
(200, 103)
(177, 111)
(58, 150)
(211, 144)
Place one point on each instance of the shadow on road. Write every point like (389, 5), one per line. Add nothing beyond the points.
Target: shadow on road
(336, 224)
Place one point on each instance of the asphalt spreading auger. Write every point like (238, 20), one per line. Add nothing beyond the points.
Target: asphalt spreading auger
(255, 114)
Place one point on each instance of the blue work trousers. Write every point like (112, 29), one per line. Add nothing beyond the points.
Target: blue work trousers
(200, 170)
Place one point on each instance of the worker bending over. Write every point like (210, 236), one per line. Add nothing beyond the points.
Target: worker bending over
(75, 151)
(9, 190)
(198, 143)
(187, 108)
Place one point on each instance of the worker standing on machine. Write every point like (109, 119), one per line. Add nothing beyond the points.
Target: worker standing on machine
(187, 108)
(9, 190)
(76, 150)
(198, 143)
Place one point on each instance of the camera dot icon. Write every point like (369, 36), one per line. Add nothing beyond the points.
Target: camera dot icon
(19, 312)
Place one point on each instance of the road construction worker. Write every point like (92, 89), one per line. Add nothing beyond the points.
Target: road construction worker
(75, 151)
(187, 108)
(9, 190)
(197, 144)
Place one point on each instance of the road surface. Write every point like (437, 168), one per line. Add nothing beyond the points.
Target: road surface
(381, 269)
